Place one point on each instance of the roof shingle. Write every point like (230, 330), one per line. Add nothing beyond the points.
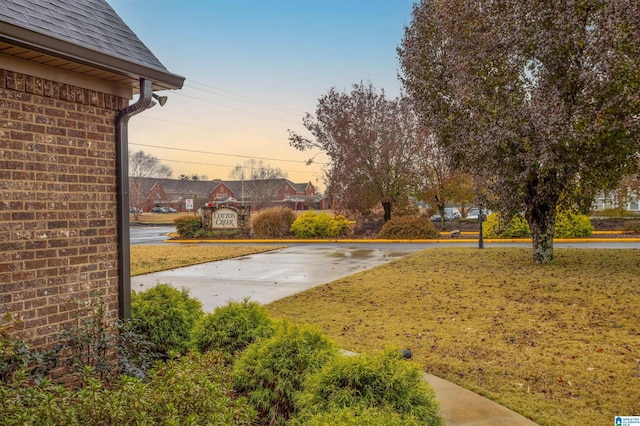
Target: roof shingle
(92, 24)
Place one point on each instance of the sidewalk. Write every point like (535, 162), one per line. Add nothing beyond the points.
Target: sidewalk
(461, 407)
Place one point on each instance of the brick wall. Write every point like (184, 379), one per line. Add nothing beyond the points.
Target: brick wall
(58, 236)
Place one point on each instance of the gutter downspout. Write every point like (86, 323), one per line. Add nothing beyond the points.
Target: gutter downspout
(122, 166)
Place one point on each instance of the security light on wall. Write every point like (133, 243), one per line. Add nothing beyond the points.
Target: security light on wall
(161, 99)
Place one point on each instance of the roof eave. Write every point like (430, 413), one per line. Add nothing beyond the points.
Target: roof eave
(18, 36)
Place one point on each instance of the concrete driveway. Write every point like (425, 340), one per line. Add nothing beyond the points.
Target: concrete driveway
(266, 277)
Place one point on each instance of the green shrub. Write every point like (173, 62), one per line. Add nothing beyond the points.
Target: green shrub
(18, 359)
(357, 416)
(193, 390)
(166, 317)
(320, 225)
(233, 327)
(188, 226)
(618, 212)
(272, 370)
(382, 380)
(494, 227)
(570, 224)
(406, 227)
(273, 222)
(98, 346)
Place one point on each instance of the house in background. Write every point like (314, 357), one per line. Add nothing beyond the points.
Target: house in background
(255, 193)
(68, 71)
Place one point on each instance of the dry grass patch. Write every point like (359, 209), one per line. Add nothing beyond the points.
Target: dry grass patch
(557, 343)
(146, 259)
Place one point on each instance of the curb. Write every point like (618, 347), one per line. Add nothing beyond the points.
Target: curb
(455, 240)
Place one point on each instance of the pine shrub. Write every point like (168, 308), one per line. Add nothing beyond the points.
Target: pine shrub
(272, 370)
(357, 416)
(166, 317)
(273, 222)
(383, 380)
(320, 225)
(233, 327)
(189, 226)
(408, 228)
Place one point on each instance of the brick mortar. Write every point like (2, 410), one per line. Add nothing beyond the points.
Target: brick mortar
(58, 237)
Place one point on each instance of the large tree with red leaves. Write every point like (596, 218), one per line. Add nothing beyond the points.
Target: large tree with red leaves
(538, 98)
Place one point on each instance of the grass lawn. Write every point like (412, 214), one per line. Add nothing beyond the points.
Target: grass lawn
(557, 343)
(146, 259)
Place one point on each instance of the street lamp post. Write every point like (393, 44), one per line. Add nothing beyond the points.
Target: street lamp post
(480, 240)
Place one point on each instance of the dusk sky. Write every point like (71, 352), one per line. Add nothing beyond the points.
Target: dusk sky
(253, 69)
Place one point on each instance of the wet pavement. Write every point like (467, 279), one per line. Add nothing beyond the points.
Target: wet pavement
(266, 277)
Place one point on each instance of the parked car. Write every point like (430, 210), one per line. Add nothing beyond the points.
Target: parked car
(450, 213)
(157, 210)
(171, 210)
(474, 212)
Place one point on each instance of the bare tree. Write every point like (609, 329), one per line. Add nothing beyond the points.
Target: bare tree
(142, 165)
(539, 98)
(260, 182)
(372, 145)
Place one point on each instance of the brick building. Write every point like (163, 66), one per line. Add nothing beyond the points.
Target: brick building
(254, 193)
(68, 71)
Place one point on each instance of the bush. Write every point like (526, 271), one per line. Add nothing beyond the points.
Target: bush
(383, 381)
(568, 225)
(632, 227)
(273, 222)
(494, 227)
(357, 416)
(271, 371)
(166, 317)
(409, 228)
(322, 225)
(190, 391)
(18, 359)
(618, 212)
(188, 226)
(100, 347)
(233, 327)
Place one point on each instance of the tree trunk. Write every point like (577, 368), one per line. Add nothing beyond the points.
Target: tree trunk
(386, 205)
(542, 222)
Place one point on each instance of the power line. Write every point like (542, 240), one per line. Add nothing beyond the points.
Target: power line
(223, 165)
(234, 108)
(242, 98)
(227, 155)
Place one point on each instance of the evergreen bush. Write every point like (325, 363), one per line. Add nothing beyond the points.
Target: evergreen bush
(233, 327)
(383, 380)
(189, 226)
(357, 416)
(569, 224)
(193, 390)
(320, 225)
(166, 317)
(273, 222)
(407, 227)
(494, 227)
(272, 370)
